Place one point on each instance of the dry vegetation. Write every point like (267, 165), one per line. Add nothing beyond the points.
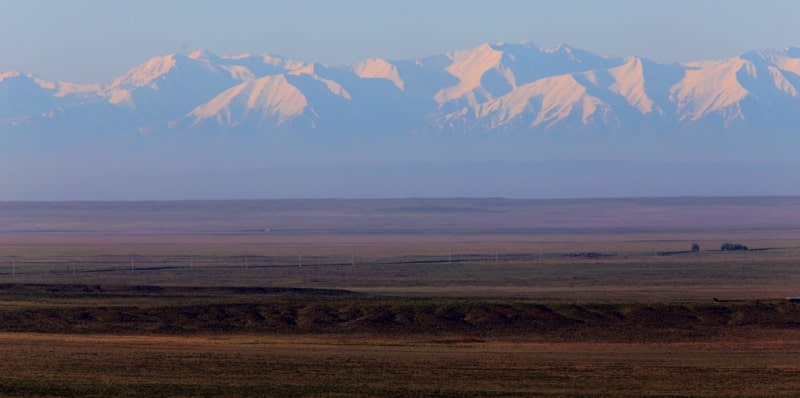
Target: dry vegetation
(400, 298)
(256, 365)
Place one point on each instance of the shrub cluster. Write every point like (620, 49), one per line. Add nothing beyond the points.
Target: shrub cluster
(732, 247)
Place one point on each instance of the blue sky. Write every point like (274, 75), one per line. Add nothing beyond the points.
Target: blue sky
(96, 41)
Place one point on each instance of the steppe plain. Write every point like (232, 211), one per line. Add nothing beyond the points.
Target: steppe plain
(405, 297)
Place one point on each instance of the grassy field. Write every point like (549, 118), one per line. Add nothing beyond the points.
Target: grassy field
(404, 297)
(660, 268)
(255, 365)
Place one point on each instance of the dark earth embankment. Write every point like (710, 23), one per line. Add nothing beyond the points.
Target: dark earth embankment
(184, 311)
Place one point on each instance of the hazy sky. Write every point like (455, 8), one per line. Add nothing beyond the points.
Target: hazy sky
(96, 41)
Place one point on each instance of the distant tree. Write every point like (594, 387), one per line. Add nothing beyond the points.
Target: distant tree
(732, 247)
(695, 247)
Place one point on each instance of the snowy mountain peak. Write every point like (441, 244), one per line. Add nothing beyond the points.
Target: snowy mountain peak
(270, 96)
(283, 63)
(712, 86)
(199, 53)
(203, 55)
(8, 74)
(238, 56)
(469, 67)
(378, 68)
(560, 48)
(144, 74)
(302, 69)
(629, 81)
(59, 89)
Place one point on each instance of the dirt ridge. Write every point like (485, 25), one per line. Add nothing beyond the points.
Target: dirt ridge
(182, 311)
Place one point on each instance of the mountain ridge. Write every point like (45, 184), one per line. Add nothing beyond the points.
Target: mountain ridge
(501, 87)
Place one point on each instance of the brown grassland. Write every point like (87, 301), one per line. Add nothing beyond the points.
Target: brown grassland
(407, 297)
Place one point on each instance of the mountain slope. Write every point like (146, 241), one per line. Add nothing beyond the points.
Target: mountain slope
(270, 101)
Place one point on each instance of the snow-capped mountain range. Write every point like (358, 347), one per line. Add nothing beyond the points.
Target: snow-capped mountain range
(492, 88)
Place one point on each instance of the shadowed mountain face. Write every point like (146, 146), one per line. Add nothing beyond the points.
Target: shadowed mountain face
(496, 120)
